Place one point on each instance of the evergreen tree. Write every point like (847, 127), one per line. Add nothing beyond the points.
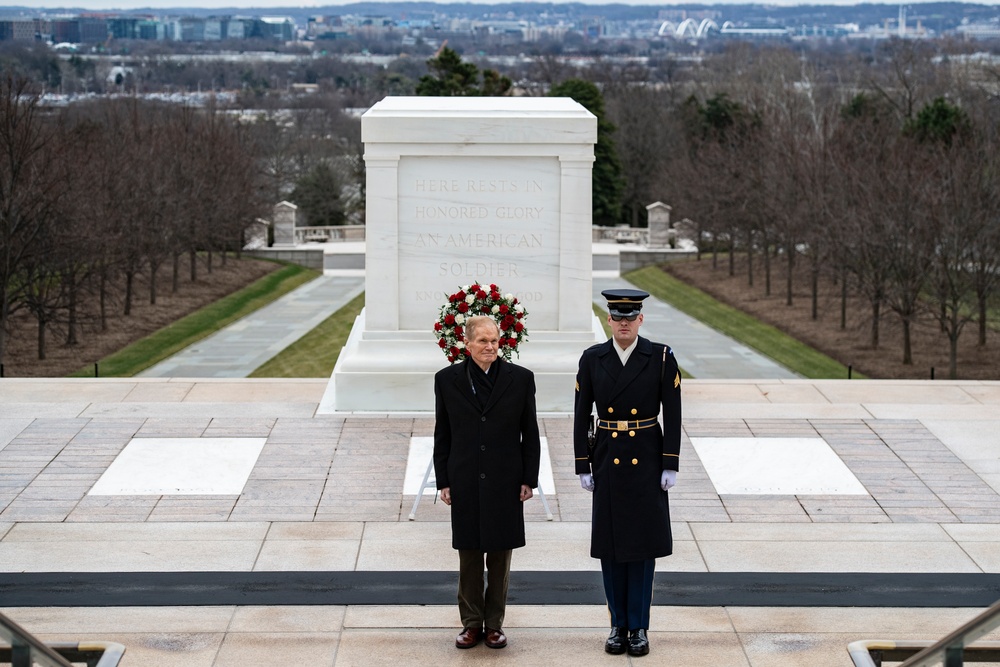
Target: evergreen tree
(939, 121)
(317, 194)
(607, 174)
(451, 77)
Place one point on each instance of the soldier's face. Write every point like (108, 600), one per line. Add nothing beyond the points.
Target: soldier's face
(624, 332)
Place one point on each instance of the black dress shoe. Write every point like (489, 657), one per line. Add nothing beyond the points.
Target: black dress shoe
(638, 643)
(469, 637)
(615, 643)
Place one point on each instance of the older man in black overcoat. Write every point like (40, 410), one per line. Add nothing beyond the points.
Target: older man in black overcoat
(486, 457)
(631, 463)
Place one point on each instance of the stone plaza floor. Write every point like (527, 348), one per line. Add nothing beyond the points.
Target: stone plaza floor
(807, 515)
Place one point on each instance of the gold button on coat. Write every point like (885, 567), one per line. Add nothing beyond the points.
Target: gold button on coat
(616, 461)
(610, 410)
(614, 434)
(631, 434)
(635, 461)
(634, 411)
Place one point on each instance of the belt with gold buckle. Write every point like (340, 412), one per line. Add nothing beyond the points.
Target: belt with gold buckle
(625, 424)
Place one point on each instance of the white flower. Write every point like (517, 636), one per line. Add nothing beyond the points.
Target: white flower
(495, 309)
(508, 297)
(470, 299)
(460, 345)
(460, 319)
(519, 308)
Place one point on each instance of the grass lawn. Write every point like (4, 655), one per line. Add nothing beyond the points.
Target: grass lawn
(764, 338)
(169, 340)
(315, 354)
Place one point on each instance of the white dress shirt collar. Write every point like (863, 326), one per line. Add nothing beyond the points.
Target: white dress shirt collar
(627, 352)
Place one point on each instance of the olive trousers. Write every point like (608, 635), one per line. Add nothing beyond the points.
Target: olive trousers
(479, 606)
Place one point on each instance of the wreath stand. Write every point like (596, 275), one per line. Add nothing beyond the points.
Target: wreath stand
(432, 483)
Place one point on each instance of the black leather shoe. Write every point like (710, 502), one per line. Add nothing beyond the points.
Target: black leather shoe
(638, 643)
(616, 641)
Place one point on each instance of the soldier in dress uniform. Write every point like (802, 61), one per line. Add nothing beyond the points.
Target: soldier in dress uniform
(629, 463)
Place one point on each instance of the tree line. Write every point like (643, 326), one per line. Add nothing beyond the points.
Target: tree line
(885, 179)
(95, 195)
(874, 168)
(880, 171)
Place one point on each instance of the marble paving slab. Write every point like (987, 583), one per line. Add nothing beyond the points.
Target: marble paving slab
(9, 428)
(775, 466)
(180, 466)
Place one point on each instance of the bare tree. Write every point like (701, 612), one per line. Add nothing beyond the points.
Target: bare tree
(29, 188)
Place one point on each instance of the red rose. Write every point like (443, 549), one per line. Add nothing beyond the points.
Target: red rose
(495, 295)
(484, 309)
(454, 350)
(438, 326)
(449, 319)
(512, 342)
(494, 288)
(504, 309)
(518, 327)
(459, 331)
(508, 321)
(474, 287)
(503, 342)
(458, 296)
(480, 295)
(520, 315)
(442, 343)
(463, 307)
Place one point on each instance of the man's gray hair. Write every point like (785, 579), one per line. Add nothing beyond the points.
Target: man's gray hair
(477, 321)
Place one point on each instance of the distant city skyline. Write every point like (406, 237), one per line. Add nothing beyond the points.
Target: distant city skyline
(272, 6)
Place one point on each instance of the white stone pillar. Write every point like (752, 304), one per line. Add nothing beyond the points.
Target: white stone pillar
(284, 224)
(658, 216)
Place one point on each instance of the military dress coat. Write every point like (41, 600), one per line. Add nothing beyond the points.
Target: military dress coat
(631, 515)
(485, 453)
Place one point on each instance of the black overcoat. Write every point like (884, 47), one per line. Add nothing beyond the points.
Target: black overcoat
(631, 514)
(485, 454)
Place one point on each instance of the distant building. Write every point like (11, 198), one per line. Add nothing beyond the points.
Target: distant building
(93, 30)
(979, 30)
(123, 27)
(277, 27)
(18, 29)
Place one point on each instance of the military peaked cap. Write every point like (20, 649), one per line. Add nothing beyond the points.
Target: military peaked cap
(624, 301)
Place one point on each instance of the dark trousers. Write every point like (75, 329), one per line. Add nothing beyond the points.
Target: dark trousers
(629, 589)
(476, 606)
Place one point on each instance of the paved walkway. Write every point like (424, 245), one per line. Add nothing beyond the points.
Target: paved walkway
(243, 346)
(700, 350)
(311, 560)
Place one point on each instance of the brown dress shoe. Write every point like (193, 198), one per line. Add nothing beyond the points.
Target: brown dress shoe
(469, 637)
(495, 638)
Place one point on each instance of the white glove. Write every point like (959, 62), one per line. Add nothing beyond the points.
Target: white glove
(587, 481)
(668, 479)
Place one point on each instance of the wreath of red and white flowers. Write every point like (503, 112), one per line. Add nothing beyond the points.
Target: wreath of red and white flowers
(476, 299)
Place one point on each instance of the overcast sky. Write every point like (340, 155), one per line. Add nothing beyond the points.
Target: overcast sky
(265, 5)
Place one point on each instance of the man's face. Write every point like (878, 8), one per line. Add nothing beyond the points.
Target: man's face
(624, 330)
(484, 345)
